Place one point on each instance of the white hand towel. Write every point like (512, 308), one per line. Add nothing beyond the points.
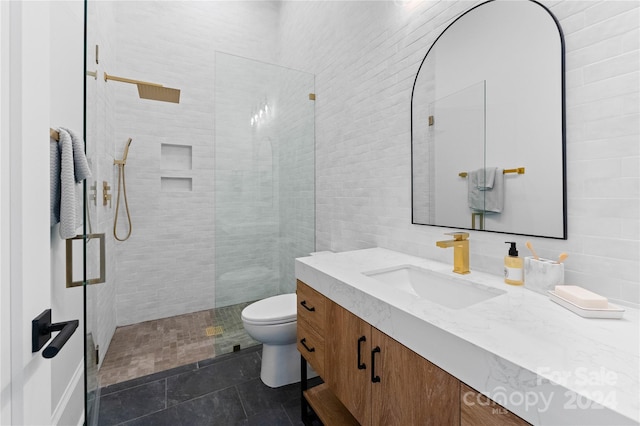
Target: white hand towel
(73, 169)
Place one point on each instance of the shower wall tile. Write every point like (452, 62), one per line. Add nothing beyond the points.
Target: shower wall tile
(167, 267)
(365, 56)
(176, 157)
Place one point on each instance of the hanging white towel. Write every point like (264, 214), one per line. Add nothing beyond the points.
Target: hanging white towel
(483, 193)
(69, 159)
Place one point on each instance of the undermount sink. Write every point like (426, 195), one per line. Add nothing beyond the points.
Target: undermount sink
(452, 292)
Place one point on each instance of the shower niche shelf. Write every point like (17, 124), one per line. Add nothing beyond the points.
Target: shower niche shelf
(175, 161)
(176, 157)
(176, 184)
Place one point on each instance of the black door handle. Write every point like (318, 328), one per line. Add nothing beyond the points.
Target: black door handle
(361, 365)
(41, 328)
(302, 342)
(374, 378)
(304, 305)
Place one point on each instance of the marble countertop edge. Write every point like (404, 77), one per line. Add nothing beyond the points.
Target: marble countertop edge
(512, 348)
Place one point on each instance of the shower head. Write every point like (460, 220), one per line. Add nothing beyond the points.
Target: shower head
(159, 93)
(124, 156)
(152, 91)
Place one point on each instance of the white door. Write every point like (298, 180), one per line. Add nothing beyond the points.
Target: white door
(37, 91)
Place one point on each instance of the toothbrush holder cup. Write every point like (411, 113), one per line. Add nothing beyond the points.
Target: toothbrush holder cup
(541, 275)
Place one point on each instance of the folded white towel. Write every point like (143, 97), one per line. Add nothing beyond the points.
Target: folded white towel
(485, 190)
(69, 166)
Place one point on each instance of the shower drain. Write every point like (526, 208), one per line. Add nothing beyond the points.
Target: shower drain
(214, 331)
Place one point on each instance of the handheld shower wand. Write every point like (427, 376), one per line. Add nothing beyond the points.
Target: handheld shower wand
(121, 164)
(124, 156)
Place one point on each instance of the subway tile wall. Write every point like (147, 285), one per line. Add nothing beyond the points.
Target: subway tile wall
(365, 56)
(167, 267)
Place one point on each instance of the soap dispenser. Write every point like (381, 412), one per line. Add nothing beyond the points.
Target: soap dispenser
(513, 266)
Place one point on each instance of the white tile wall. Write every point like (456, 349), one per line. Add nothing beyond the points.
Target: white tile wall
(167, 267)
(365, 56)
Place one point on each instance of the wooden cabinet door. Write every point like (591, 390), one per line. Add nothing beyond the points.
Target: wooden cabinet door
(347, 376)
(478, 410)
(411, 390)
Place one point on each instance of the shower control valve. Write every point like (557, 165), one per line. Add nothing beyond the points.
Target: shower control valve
(106, 196)
(94, 193)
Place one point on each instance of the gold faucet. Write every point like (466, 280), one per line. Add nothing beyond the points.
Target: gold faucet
(460, 245)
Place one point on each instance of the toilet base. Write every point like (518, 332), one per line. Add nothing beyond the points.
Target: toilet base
(281, 365)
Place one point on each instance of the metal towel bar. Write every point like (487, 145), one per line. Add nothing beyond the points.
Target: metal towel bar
(518, 170)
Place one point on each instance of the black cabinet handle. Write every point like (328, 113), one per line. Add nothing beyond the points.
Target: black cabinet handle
(374, 378)
(302, 342)
(41, 328)
(361, 365)
(304, 305)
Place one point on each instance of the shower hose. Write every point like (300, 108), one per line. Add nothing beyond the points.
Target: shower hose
(121, 179)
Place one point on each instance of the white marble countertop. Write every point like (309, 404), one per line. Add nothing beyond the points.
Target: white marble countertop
(536, 358)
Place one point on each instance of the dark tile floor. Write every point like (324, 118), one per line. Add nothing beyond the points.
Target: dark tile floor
(225, 390)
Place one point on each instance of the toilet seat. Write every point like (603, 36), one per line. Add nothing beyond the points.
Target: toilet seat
(272, 310)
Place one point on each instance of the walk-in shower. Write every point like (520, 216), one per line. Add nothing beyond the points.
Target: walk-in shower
(220, 186)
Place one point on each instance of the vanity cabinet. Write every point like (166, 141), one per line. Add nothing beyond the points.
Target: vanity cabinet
(478, 410)
(311, 325)
(349, 355)
(371, 379)
(381, 381)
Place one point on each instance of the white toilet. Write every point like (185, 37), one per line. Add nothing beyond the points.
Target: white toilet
(272, 321)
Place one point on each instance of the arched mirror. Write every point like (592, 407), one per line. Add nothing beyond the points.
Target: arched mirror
(488, 123)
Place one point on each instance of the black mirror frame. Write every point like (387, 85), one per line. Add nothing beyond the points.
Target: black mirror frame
(564, 131)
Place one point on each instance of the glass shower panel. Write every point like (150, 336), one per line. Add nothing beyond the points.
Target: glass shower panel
(264, 177)
(456, 146)
(99, 284)
(92, 385)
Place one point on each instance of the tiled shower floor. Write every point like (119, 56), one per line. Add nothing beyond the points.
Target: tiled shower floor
(153, 346)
